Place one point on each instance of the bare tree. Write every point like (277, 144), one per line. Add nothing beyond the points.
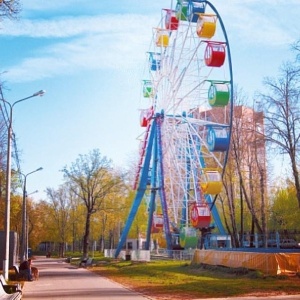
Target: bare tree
(91, 179)
(241, 179)
(282, 116)
(245, 176)
(9, 9)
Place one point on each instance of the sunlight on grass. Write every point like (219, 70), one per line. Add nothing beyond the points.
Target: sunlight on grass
(178, 280)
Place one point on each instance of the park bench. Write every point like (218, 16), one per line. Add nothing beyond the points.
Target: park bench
(13, 296)
(10, 288)
(17, 273)
(86, 263)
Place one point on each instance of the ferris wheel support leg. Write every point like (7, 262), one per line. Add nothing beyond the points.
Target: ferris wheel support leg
(153, 193)
(140, 192)
(183, 221)
(213, 208)
(162, 191)
(216, 215)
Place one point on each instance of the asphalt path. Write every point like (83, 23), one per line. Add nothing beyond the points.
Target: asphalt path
(61, 280)
(286, 297)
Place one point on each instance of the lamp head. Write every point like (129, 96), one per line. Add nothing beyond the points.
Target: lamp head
(39, 93)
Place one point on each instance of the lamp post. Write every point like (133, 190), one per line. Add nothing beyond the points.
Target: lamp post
(8, 182)
(27, 225)
(23, 248)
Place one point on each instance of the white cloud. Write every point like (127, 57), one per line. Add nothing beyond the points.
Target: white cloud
(95, 44)
(255, 23)
(100, 5)
(72, 26)
(50, 5)
(120, 41)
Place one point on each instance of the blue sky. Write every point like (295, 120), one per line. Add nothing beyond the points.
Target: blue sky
(89, 56)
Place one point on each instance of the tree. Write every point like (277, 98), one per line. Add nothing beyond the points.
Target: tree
(76, 220)
(282, 116)
(111, 216)
(244, 197)
(61, 209)
(92, 179)
(40, 223)
(9, 9)
(283, 215)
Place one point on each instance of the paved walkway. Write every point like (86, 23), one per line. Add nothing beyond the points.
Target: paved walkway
(60, 280)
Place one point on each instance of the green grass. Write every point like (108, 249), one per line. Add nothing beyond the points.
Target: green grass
(180, 280)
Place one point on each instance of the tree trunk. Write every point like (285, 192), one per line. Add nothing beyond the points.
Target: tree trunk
(86, 236)
(296, 178)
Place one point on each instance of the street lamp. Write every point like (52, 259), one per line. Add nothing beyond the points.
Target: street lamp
(23, 248)
(8, 182)
(27, 225)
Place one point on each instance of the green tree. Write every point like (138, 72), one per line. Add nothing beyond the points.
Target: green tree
(284, 216)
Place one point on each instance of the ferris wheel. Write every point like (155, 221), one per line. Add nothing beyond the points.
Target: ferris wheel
(187, 117)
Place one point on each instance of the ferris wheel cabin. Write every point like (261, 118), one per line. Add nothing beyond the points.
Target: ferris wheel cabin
(162, 37)
(182, 10)
(194, 8)
(147, 88)
(171, 20)
(218, 94)
(217, 138)
(200, 215)
(206, 25)
(154, 61)
(211, 182)
(157, 223)
(215, 53)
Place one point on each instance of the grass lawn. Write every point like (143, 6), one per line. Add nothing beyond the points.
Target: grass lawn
(180, 280)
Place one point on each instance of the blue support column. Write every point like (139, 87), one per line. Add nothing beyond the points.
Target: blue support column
(209, 200)
(161, 185)
(153, 191)
(140, 190)
(215, 215)
(184, 211)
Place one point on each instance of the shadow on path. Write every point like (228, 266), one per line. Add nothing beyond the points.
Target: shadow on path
(60, 280)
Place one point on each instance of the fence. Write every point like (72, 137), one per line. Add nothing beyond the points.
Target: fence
(268, 263)
(161, 254)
